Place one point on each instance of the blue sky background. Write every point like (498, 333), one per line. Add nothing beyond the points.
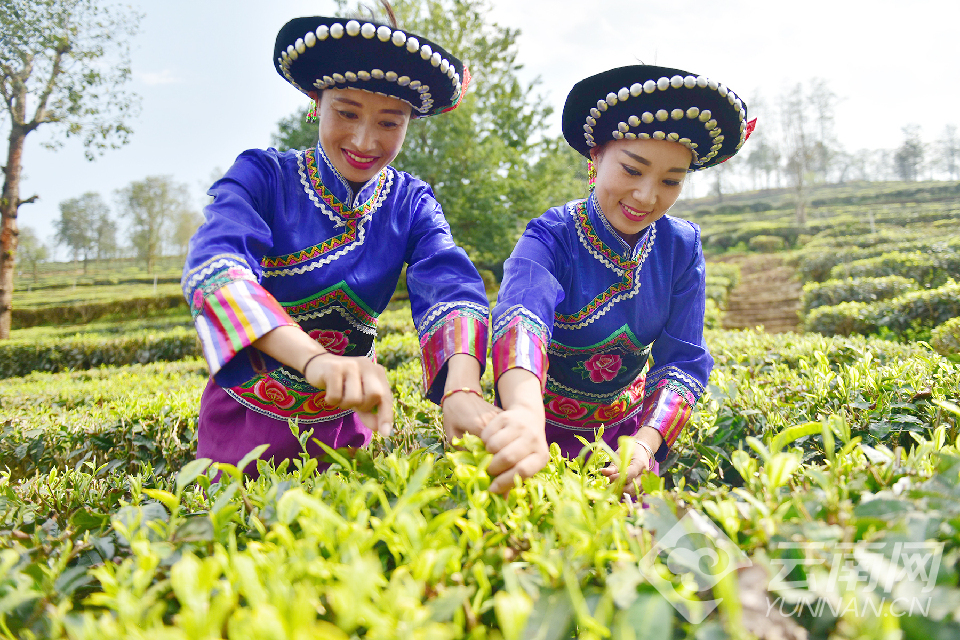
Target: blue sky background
(203, 70)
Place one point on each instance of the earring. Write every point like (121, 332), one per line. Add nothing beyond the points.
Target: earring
(591, 174)
(313, 115)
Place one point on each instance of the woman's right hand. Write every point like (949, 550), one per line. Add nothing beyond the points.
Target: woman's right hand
(354, 383)
(518, 442)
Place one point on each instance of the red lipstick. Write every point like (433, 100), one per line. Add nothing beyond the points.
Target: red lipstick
(358, 160)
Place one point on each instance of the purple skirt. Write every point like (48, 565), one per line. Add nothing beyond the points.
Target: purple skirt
(228, 431)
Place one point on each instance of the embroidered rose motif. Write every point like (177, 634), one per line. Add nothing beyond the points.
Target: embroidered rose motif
(567, 407)
(336, 342)
(611, 412)
(236, 273)
(197, 299)
(271, 391)
(316, 403)
(603, 367)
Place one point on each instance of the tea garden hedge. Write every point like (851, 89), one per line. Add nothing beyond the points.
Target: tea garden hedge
(816, 494)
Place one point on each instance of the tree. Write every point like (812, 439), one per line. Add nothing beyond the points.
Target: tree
(63, 63)
(151, 206)
(31, 251)
(949, 152)
(908, 159)
(185, 224)
(105, 238)
(823, 148)
(488, 161)
(798, 148)
(79, 225)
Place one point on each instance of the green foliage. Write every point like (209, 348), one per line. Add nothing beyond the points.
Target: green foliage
(104, 539)
(930, 270)
(411, 540)
(152, 206)
(840, 219)
(85, 227)
(489, 162)
(766, 244)
(721, 278)
(832, 292)
(946, 338)
(31, 252)
(910, 312)
(83, 312)
(88, 351)
(72, 58)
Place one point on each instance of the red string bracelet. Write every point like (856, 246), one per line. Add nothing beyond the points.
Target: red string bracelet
(306, 364)
(461, 389)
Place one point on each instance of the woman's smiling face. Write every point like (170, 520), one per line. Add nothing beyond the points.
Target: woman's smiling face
(638, 181)
(361, 132)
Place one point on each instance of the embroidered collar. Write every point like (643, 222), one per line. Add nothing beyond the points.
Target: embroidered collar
(336, 192)
(605, 233)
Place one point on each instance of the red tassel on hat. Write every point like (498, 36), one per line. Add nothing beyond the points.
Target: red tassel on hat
(750, 127)
(463, 89)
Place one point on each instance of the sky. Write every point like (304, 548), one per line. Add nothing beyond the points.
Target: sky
(204, 72)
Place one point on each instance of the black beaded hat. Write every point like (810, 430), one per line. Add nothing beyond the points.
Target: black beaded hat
(316, 53)
(646, 102)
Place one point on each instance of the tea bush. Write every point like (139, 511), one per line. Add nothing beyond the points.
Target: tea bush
(390, 545)
(766, 244)
(82, 351)
(165, 337)
(84, 312)
(912, 312)
(930, 270)
(946, 338)
(826, 252)
(832, 292)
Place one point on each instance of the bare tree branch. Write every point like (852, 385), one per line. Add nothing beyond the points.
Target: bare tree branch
(40, 113)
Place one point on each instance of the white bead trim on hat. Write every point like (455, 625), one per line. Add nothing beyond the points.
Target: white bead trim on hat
(384, 34)
(676, 82)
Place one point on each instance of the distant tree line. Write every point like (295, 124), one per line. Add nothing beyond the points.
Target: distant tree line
(158, 212)
(795, 145)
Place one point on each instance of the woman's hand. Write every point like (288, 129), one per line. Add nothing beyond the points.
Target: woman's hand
(354, 383)
(516, 437)
(465, 412)
(464, 409)
(518, 442)
(646, 441)
(350, 383)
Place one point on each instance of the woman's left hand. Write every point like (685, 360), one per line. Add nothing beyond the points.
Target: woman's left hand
(465, 412)
(639, 462)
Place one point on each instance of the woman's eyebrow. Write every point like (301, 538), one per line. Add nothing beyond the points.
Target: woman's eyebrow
(646, 162)
(354, 103)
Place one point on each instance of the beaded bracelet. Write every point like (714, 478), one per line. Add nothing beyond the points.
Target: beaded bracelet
(461, 389)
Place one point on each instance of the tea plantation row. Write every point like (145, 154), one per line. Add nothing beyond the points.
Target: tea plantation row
(802, 445)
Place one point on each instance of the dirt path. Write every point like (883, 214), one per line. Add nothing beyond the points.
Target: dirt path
(768, 294)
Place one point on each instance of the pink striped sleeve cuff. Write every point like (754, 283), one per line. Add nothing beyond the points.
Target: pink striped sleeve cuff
(453, 328)
(667, 410)
(520, 341)
(233, 317)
